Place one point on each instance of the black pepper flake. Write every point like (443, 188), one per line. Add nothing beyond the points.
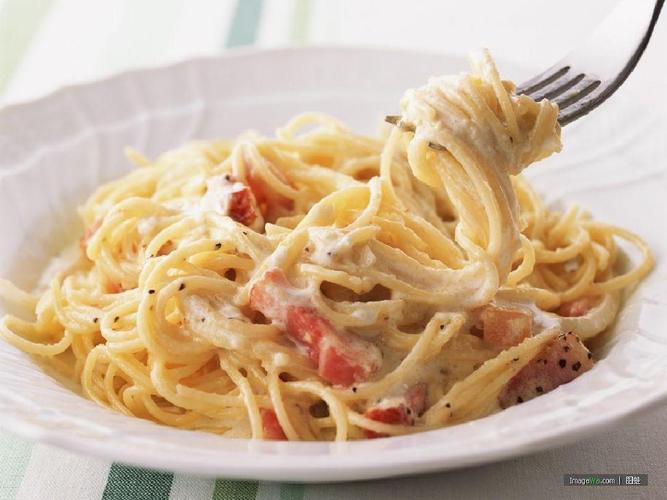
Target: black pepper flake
(218, 246)
(539, 389)
(566, 348)
(590, 355)
(442, 327)
(182, 287)
(519, 399)
(511, 139)
(448, 405)
(515, 359)
(151, 256)
(562, 363)
(228, 177)
(329, 254)
(151, 291)
(245, 232)
(116, 319)
(354, 389)
(307, 249)
(576, 366)
(95, 320)
(203, 319)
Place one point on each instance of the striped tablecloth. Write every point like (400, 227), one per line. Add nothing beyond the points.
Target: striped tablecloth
(45, 44)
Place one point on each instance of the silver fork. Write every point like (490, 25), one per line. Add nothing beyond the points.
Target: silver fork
(589, 75)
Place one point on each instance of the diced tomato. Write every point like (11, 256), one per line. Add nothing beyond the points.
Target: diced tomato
(87, 234)
(505, 327)
(560, 361)
(578, 307)
(341, 358)
(402, 410)
(271, 426)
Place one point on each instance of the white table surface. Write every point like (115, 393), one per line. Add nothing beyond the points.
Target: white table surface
(78, 40)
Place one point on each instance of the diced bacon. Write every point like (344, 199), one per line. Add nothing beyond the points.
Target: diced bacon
(578, 307)
(115, 288)
(269, 293)
(341, 358)
(560, 361)
(87, 234)
(400, 410)
(271, 426)
(241, 206)
(265, 196)
(505, 327)
(227, 196)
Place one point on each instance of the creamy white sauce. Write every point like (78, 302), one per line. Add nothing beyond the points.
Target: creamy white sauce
(219, 194)
(328, 243)
(571, 265)
(187, 206)
(542, 320)
(146, 225)
(366, 315)
(216, 199)
(280, 359)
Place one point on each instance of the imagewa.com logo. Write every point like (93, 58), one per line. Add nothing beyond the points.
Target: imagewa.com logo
(591, 481)
(605, 479)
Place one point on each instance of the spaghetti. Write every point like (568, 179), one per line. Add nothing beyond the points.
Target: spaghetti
(324, 285)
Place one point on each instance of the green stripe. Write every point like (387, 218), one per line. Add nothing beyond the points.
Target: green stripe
(125, 483)
(14, 457)
(19, 23)
(301, 10)
(245, 23)
(291, 492)
(235, 490)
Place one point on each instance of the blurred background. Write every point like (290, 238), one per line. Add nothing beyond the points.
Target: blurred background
(45, 44)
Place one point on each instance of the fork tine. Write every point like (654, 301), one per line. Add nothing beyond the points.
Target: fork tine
(542, 80)
(577, 92)
(409, 127)
(398, 121)
(602, 63)
(558, 88)
(594, 95)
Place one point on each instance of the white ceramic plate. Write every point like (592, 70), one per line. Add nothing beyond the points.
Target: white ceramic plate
(56, 150)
